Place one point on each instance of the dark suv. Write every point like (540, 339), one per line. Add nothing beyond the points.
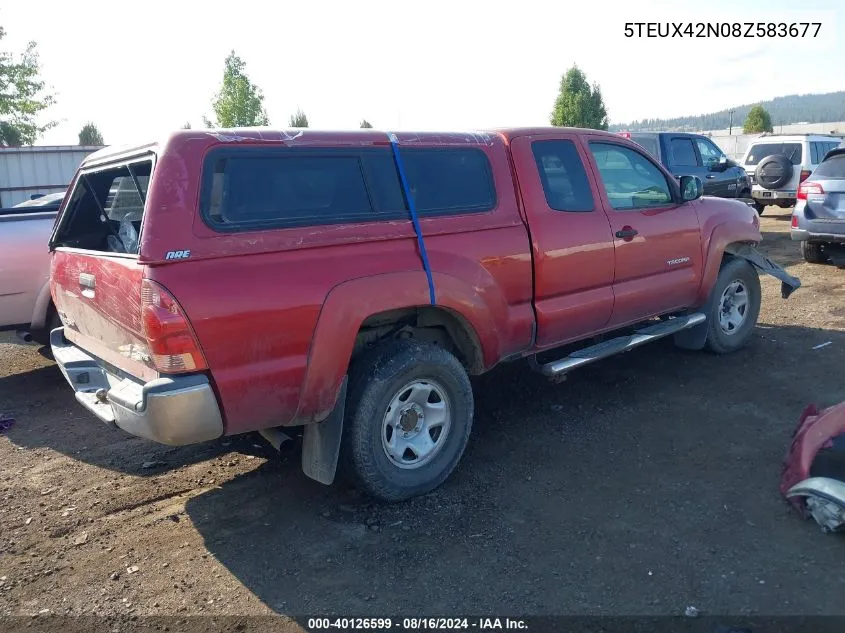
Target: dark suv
(696, 155)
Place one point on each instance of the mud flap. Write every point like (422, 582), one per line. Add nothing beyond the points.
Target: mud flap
(788, 283)
(825, 501)
(321, 443)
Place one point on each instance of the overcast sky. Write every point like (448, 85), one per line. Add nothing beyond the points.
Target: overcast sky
(137, 69)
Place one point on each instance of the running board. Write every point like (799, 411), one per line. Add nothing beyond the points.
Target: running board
(558, 368)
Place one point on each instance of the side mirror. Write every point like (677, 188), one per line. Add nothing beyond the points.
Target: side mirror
(691, 188)
(720, 165)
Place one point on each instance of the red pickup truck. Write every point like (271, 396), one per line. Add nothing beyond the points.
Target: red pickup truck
(226, 281)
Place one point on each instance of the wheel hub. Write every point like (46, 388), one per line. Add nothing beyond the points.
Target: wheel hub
(416, 424)
(733, 307)
(411, 419)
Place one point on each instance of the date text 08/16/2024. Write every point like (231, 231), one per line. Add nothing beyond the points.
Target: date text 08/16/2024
(415, 624)
(723, 29)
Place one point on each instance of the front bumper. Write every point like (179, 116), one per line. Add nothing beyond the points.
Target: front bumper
(174, 410)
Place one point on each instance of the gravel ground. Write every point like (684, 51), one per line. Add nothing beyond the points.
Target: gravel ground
(643, 485)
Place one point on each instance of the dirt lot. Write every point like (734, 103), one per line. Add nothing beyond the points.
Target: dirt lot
(643, 485)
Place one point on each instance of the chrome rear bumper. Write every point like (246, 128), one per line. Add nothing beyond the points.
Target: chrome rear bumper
(173, 410)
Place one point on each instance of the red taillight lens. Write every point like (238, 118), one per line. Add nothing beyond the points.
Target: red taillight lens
(625, 134)
(807, 188)
(172, 343)
(804, 175)
(794, 221)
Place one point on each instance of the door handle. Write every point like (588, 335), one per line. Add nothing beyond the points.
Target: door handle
(627, 233)
(710, 177)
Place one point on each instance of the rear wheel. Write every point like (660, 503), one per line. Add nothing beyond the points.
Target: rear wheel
(813, 252)
(760, 207)
(736, 306)
(42, 337)
(408, 418)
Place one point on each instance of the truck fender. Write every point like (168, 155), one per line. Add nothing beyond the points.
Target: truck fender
(724, 240)
(720, 238)
(349, 304)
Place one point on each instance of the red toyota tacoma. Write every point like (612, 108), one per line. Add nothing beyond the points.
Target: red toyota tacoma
(226, 281)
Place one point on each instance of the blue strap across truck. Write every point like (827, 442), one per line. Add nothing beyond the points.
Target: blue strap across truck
(412, 208)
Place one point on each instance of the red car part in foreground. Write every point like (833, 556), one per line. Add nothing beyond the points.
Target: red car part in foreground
(822, 498)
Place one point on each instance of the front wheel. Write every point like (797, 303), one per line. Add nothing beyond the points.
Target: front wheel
(735, 308)
(760, 207)
(408, 418)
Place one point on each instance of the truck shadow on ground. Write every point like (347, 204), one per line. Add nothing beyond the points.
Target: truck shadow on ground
(640, 483)
(47, 415)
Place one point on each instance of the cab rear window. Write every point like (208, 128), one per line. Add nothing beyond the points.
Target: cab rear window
(759, 151)
(245, 189)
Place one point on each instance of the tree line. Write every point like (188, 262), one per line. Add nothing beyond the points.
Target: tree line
(239, 102)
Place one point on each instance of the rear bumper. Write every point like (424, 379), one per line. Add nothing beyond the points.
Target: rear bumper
(764, 195)
(812, 235)
(174, 410)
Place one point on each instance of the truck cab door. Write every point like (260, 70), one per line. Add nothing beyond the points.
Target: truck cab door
(571, 240)
(683, 160)
(720, 179)
(657, 238)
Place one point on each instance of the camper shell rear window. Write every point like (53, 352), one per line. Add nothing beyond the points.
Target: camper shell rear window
(106, 208)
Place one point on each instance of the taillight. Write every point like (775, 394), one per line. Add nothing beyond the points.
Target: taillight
(805, 173)
(794, 221)
(624, 134)
(807, 188)
(172, 343)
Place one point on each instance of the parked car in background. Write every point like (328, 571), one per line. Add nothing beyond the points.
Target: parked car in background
(350, 282)
(818, 221)
(778, 163)
(696, 155)
(25, 303)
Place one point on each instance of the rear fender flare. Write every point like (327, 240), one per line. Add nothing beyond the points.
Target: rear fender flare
(349, 304)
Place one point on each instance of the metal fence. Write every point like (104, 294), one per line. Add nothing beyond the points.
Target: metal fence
(29, 171)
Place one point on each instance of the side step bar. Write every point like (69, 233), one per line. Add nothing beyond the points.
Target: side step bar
(558, 368)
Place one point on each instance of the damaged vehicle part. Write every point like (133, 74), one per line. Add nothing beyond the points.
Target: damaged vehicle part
(788, 283)
(825, 501)
(820, 498)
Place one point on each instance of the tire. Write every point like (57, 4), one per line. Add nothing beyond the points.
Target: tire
(760, 208)
(395, 376)
(42, 337)
(813, 252)
(737, 280)
(774, 171)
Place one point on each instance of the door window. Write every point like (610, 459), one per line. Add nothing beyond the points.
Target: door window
(710, 154)
(562, 174)
(683, 153)
(630, 180)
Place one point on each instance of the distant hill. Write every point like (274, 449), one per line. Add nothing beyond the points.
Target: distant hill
(810, 108)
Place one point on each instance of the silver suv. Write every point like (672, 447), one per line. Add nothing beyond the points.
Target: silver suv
(778, 163)
(818, 220)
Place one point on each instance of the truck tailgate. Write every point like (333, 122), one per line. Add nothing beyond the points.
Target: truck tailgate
(98, 297)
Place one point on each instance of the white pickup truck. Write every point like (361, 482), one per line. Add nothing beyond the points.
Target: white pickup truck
(25, 303)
